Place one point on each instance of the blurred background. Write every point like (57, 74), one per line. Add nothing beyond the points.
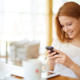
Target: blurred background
(24, 21)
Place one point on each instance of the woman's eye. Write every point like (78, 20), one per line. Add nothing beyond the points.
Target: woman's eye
(69, 24)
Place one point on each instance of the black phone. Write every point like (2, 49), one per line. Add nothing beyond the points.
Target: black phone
(51, 48)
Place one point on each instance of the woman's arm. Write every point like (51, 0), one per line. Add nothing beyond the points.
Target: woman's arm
(62, 58)
(50, 61)
(76, 69)
(50, 65)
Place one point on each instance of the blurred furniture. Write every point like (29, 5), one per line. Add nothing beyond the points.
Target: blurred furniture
(8, 40)
(14, 46)
(11, 68)
(29, 50)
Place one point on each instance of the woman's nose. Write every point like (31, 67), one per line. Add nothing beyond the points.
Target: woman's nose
(66, 29)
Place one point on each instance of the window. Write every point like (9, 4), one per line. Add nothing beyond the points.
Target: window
(22, 19)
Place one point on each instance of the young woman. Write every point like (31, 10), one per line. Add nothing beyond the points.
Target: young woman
(67, 22)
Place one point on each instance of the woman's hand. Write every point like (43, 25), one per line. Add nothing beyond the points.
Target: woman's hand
(62, 59)
(66, 61)
(50, 60)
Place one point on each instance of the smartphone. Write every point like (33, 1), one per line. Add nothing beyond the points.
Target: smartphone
(51, 48)
(49, 74)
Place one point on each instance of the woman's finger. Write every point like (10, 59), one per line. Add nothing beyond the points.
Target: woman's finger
(58, 60)
(57, 56)
(48, 51)
(52, 54)
(58, 51)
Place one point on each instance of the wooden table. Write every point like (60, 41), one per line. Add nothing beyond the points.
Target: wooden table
(9, 68)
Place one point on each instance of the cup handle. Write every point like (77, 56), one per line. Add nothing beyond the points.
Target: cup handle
(46, 69)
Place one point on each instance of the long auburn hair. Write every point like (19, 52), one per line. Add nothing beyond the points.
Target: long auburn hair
(71, 9)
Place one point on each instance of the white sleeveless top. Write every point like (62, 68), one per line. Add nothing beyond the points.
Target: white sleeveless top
(73, 52)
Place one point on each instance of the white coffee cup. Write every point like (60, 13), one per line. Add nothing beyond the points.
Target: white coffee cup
(33, 69)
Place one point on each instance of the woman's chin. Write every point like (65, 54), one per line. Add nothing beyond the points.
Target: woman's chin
(71, 37)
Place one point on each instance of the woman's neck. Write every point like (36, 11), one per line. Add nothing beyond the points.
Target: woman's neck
(75, 41)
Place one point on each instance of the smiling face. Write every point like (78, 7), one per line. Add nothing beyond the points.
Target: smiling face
(70, 26)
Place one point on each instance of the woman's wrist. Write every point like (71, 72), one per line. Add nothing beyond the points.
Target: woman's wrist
(72, 66)
(51, 66)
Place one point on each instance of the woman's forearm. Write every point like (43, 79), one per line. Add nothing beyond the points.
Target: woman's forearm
(76, 69)
(51, 66)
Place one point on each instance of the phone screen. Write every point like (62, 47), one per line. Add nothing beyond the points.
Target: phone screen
(47, 74)
(50, 73)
